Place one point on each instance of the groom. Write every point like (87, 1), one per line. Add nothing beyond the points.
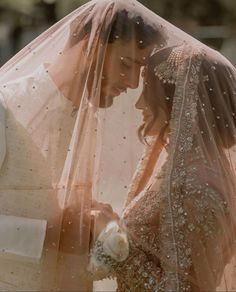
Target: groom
(123, 46)
(129, 43)
(126, 43)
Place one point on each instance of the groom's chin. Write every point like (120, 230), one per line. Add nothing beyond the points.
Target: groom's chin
(106, 102)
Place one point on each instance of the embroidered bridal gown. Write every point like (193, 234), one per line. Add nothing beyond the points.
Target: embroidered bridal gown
(179, 214)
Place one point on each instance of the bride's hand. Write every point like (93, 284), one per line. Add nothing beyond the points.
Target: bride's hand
(101, 215)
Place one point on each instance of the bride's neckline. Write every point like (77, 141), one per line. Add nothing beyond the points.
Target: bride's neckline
(193, 160)
(156, 174)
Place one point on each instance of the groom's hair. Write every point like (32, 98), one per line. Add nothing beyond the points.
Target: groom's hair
(123, 27)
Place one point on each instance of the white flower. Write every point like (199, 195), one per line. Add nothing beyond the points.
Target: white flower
(97, 269)
(117, 247)
(111, 227)
(115, 242)
(112, 242)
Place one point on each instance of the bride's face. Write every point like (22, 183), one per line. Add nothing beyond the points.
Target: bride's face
(153, 123)
(121, 69)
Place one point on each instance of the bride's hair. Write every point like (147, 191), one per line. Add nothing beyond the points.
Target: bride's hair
(122, 26)
(216, 105)
(156, 94)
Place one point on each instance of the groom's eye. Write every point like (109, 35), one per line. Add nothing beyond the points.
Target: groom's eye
(126, 64)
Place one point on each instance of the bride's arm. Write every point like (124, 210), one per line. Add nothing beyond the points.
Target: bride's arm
(109, 243)
(200, 224)
(114, 251)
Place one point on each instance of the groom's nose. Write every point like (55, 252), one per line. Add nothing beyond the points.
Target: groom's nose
(132, 79)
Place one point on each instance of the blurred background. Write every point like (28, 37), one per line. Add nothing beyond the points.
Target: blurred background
(211, 21)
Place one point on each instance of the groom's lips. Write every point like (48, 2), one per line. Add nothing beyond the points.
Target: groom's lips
(120, 90)
(115, 91)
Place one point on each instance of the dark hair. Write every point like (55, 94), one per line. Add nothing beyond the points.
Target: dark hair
(155, 94)
(220, 88)
(123, 27)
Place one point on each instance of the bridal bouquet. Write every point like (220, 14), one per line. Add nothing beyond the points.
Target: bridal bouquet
(110, 248)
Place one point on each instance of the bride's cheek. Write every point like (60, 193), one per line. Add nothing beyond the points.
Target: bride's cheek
(156, 128)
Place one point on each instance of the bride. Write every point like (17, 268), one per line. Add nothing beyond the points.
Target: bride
(177, 231)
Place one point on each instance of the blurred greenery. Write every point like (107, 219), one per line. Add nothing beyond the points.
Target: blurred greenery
(211, 21)
(24, 6)
(206, 11)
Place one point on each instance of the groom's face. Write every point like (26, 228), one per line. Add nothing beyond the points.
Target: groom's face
(121, 70)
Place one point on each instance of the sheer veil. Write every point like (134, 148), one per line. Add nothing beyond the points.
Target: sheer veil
(73, 135)
(53, 131)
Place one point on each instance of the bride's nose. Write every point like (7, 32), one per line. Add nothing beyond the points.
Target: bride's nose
(140, 104)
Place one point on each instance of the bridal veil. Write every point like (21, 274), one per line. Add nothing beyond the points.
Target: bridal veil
(71, 134)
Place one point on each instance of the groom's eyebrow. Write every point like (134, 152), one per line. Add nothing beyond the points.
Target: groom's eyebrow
(136, 61)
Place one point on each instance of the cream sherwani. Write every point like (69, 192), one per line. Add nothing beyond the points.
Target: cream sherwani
(36, 125)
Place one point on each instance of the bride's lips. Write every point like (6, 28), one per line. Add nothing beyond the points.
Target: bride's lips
(146, 117)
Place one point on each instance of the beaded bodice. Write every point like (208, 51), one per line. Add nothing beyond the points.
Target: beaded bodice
(198, 206)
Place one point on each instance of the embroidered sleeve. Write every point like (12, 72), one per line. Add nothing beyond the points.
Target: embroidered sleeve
(141, 271)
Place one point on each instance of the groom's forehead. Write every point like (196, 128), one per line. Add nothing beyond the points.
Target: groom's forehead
(130, 51)
(140, 62)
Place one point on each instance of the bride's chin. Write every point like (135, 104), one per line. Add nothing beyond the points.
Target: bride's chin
(152, 134)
